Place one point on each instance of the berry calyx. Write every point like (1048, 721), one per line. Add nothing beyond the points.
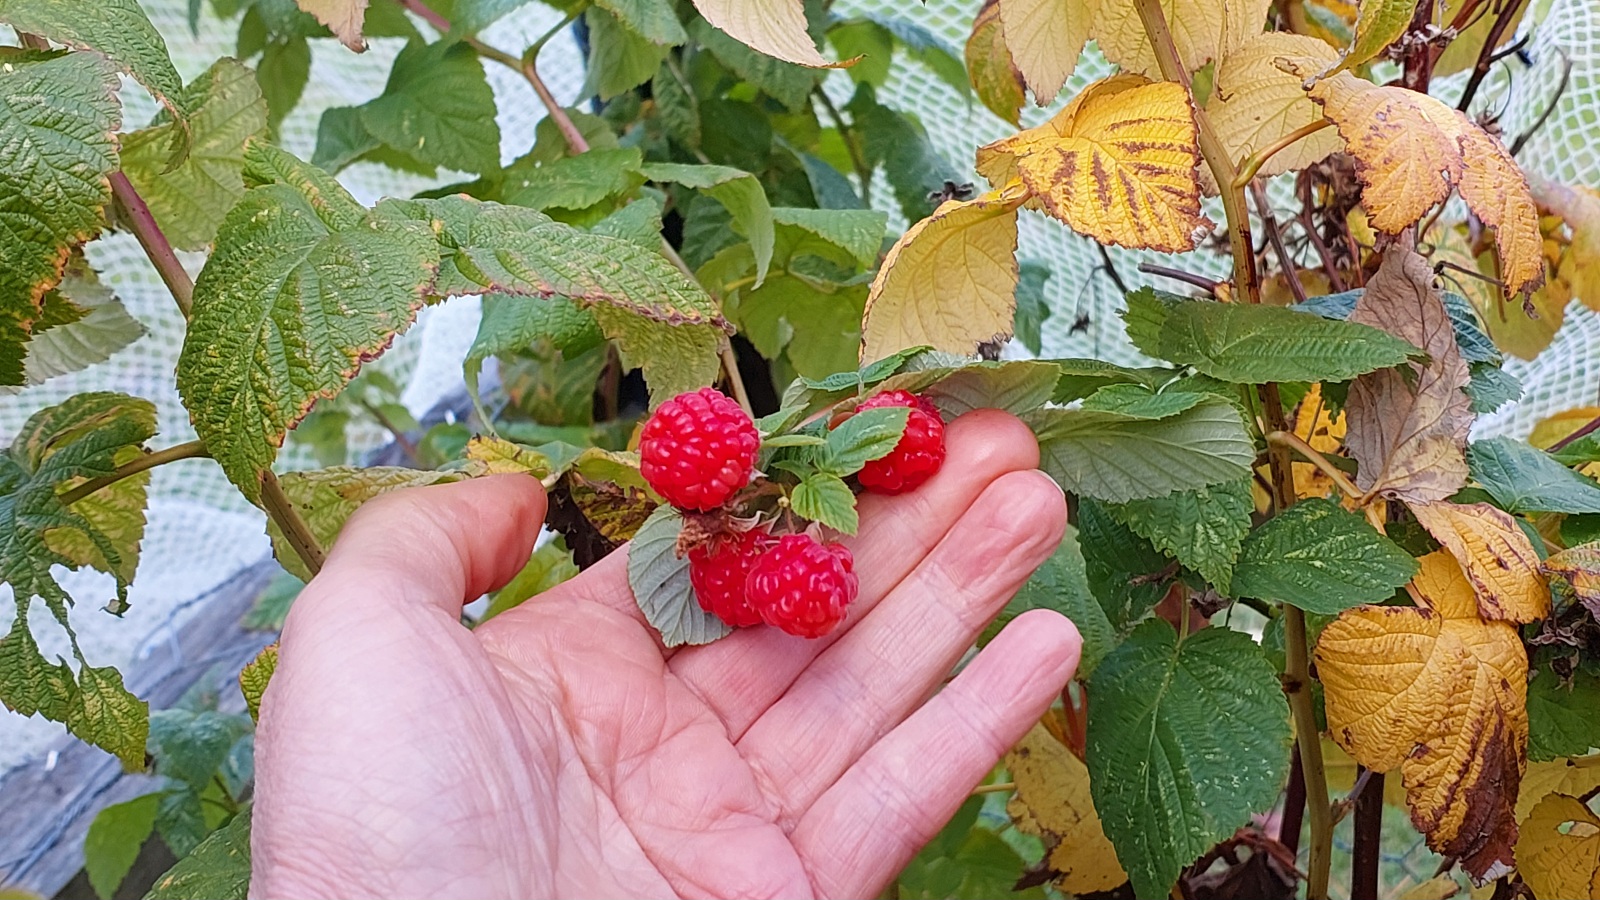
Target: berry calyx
(698, 449)
(719, 569)
(919, 454)
(802, 586)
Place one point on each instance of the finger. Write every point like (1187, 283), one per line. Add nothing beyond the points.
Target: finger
(438, 546)
(742, 674)
(896, 798)
(880, 671)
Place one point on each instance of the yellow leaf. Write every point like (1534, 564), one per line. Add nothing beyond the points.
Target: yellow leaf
(343, 18)
(1578, 263)
(499, 457)
(991, 68)
(1408, 430)
(1411, 149)
(1439, 887)
(1507, 323)
(1559, 853)
(950, 281)
(774, 27)
(1379, 23)
(1052, 801)
(1117, 164)
(1203, 30)
(1046, 37)
(1576, 776)
(1555, 427)
(1255, 103)
(1441, 694)
(1496, 557)
(1317, 425)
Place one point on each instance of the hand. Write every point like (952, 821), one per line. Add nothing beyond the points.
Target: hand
(559, 750)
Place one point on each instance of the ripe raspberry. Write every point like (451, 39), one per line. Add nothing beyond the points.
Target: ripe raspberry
(801, 586)
(719, 569)
(919, 454)
(697, 449)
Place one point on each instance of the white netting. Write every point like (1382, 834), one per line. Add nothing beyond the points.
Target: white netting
(201, 532)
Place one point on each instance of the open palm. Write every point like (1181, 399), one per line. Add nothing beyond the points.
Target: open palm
(559, 750)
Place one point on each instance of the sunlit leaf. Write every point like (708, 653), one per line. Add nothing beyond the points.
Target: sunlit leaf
(774, 27)
(343, 18)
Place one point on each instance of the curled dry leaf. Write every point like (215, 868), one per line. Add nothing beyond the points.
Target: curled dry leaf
(1053, 802)
(343, 18)
(1559, 853)
(1411, 149)
(1408, 430)
(1117, 164)
(1496, 556)
(1440, 693)
(949, 282)
(1578, 268)
(774, 27)
(1256, 102)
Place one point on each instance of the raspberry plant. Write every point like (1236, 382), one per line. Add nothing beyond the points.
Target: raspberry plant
(1289, 560)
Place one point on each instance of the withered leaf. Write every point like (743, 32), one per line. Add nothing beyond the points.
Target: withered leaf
(1053, 802)
(1495, 555)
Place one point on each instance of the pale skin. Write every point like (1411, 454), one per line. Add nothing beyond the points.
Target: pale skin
(560, 751)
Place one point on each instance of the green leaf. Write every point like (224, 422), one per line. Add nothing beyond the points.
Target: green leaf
(190, 746)
(1319, 557)
(96, 325)
(1126, 574)
(1139, 402)
(218, 869)
(675, 358)
(226, 110)
(868, 435)
(1491, 387)
(117, 29)
(653, 20)
(858, 232)
(282, 72)
(619, 58)
(326, 498)
(510, 323)
(784, 82)
(1032, 308)
(254, 676)
(1561, 719)
(829, 187)
(302, 288)
(472, 16)
(736, 190)
(965, 861)
(1202, 529)
(1082, 377)
(1522, 479)
(638, 222)
(1117, 457)
(1170, 724)
(29, 683)
(549, 566)
(115, 838)
(438, 108)
(342, 138)
(826, 499)
(915, 169)
(574, 182)
(57, 447)
(677, 107)
(1016, 386)
(1062, 584)
(1145, 316)
(659, 578)
(929, 49)
(819, 330)
(106, 715)
(53, 185)
(1254, 344)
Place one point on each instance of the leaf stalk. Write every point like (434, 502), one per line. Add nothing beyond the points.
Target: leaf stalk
(186, 450)
(1253, 163)
(281, 510)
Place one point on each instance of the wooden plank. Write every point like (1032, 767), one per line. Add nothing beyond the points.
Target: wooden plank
(50, 802)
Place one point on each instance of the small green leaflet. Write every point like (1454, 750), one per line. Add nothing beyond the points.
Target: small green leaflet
(115, 837)
(1202, 528)
(1145, 316)
(550, 565)
(619, 58)
(1139, 402)
(738, 191)
(654, 20)
(574, 182)
(118, 29)
(1082, 377)
(858, 232)
(677, 108)
(1016, 386)
(1319, 557)
(55, 194)
(825, 498)
(1522, 479)
(326, 498)
(217, 869)
(190, 745)
(509, 323)
(1061, 584)
(862, 438)
(188, 202)
(1561, 719)
(438, 108)
(660, 582)
(254, 676)
(1170, 721)
(107, 715)
(1379, 23)
(1117, 457)
(1253, 344)
(1491, 387)
(302, 288)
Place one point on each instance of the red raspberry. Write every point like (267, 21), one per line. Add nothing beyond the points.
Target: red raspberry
(801, 586)
(698, 449)
(919, 454)
(719, 568)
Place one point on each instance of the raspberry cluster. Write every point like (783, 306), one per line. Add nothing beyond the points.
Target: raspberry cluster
(698, 451)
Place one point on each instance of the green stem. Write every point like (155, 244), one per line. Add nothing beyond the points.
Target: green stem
(281, 510)
(1253, 163)
(188, 450)
(1297, 684)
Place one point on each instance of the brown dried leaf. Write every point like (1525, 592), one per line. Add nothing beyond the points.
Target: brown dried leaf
(1442, 694)
(1495, 555)
(343, 18)
(1578, 267)
(1117, 164)
(1409, 439)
